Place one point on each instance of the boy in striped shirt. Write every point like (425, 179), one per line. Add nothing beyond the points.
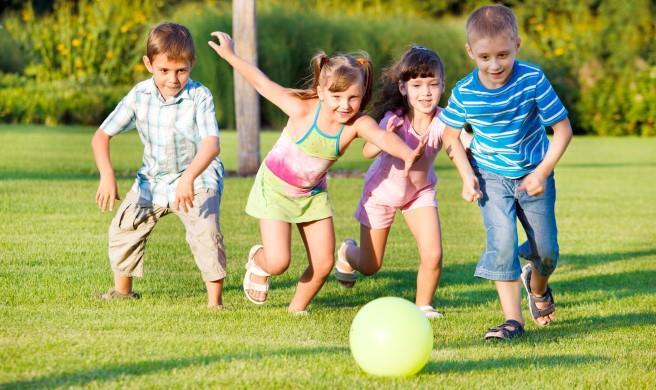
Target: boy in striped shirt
(180, 172)
(508, 103)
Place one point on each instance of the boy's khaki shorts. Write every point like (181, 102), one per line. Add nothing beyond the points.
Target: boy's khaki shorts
(132, 225)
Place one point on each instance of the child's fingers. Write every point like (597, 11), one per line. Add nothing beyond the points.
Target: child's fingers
(111, 203)
(103, 203)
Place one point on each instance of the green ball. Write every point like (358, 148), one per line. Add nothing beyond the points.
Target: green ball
(391, 337)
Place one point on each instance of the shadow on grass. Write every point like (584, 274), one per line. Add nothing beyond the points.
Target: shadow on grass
(402, 283)
(593, 259)
(568, 329)
(111, 372)
(455, 366)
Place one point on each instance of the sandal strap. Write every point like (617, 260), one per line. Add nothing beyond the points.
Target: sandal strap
(345, 276)
(508, 330)
(251, 285)
(255, 269)
(546, 297)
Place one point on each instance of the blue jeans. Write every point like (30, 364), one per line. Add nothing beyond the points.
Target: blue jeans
(501, 206)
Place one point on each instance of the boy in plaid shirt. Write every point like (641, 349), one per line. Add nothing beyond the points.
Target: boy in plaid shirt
(180, 173)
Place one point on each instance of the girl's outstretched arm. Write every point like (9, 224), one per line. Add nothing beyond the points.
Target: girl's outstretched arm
(368, 129)
(274, 92)
(370, 150)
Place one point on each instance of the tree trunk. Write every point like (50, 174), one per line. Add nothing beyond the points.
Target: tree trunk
(247, 106)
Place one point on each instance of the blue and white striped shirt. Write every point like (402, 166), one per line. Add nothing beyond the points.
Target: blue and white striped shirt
(508, 122)
(171, 132)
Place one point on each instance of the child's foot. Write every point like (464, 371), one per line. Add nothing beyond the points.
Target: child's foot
(430, 312)
(218, 307)
(541, 307)
(344, 273)
(256, 280)
(112, 294)
(296, 312)
(506, 331)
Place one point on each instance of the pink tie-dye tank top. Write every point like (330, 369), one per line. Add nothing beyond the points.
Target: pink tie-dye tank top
(302, 165)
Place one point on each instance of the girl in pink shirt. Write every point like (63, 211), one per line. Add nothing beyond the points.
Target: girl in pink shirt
(412, 88)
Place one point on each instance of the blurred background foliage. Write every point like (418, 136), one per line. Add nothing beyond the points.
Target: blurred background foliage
(71, 61)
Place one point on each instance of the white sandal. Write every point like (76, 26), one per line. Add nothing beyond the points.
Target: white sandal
(345, 279)
(430, 312)
(254, 269)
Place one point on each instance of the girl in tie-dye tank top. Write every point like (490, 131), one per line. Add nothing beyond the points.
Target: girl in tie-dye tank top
(290, 186)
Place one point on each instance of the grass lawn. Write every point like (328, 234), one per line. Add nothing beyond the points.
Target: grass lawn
(53, 258)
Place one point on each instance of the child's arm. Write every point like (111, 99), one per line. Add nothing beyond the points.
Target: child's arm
(276, 94)
(107, 191)
(184, 193)
(535, 181)
(370, 150)
(368, 129)
(456, 152)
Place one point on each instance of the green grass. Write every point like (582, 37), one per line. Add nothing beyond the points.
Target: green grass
(53, 258)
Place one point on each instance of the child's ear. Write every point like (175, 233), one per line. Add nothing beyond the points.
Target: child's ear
(147, 63)
(469, 51)
(402, 88)
(320, 92)
(518, 43)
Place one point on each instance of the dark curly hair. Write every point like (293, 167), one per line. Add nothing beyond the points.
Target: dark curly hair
(416, 62)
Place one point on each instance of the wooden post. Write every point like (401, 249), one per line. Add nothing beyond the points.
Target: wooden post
(247, 106)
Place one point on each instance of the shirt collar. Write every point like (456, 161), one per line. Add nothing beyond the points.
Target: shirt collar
(183, 94)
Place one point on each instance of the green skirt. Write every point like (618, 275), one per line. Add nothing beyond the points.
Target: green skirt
(268, 200)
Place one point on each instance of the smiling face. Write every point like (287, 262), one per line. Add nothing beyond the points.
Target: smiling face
(170, 75)
(342, 105)
(494, 57)
(422, 93)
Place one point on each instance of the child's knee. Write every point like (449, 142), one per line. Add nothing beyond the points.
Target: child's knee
(431, 259)
(277, 265)
(547, 262)
(324, 267)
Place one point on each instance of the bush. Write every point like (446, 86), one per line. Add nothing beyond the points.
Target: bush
(85, 40)
(57, 102)
(601, 57)
(12, 60)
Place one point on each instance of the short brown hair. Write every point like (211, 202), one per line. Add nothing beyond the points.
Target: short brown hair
(171, 39)
(490, 21)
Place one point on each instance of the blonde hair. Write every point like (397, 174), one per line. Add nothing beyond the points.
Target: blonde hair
(490, 21)
(338, 73)
(171, 39)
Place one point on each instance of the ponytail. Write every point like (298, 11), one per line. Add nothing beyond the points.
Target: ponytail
(367, 68)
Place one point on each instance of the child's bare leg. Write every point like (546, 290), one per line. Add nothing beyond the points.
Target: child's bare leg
(123, 284)
(319, 240)
(539, 287)
(424, 223)
(368, 257)
(511, 299)
(214, 293)
(276, 255)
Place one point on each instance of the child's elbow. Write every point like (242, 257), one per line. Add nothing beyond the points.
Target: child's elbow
(99, 138)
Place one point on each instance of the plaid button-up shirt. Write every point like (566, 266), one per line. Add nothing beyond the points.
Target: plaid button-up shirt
(171, 132)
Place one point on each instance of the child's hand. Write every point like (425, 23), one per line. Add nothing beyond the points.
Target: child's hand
(225, 46)
(393, 123)
(533, 183)
(184, 194)
(107, 193)
(471, 190)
